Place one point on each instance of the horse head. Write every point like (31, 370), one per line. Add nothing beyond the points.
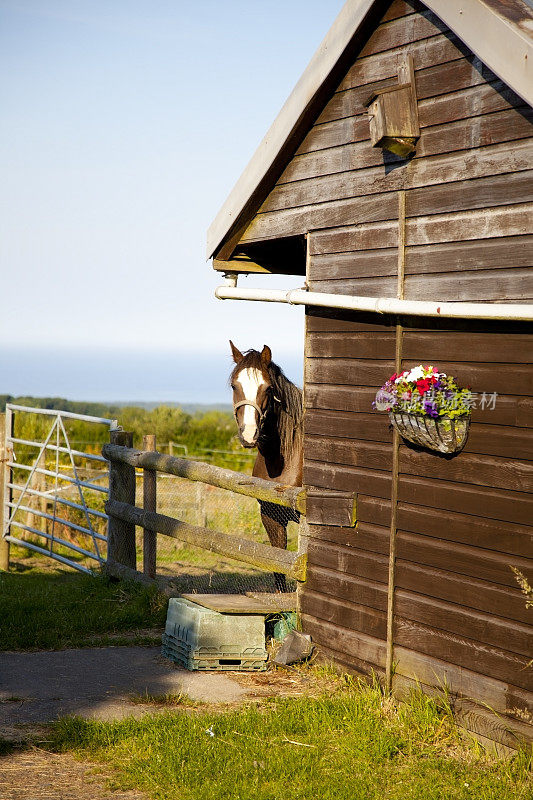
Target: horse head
(253, 392)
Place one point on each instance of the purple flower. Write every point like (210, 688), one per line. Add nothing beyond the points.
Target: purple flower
(430, 408)
(385, 400)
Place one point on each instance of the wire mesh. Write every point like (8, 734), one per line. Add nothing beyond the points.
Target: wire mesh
(196, 570)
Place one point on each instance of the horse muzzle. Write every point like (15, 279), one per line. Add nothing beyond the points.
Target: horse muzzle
(249, 441)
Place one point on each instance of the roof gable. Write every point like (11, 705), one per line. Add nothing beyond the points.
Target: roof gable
(499, 32)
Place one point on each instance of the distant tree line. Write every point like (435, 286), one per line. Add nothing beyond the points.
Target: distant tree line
(197, 431)
(61, 404)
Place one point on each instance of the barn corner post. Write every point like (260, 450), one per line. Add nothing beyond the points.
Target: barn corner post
(303, 525)
(395, 454)
(149, 504)
(303, 541)
(6, 423)
(121, 534)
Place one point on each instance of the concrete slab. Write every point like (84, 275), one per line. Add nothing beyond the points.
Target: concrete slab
(97, 683)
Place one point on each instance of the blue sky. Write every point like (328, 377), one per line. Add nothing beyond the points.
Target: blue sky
(125, 125)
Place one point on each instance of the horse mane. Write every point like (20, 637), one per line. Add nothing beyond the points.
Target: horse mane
(289, 411)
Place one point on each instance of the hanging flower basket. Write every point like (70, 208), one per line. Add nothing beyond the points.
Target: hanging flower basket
(427, 408)
(445, 434)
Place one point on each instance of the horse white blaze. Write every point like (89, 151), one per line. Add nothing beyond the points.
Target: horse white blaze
(250, 379)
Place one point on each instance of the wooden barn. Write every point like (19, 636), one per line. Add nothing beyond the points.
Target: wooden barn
(397, 179)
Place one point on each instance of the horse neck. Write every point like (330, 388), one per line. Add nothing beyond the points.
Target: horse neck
(269, 444)
(285, 466)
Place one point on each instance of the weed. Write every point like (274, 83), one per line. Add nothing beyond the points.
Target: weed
(7, 746)
(525, 587)
(163, 700)
(13, 698)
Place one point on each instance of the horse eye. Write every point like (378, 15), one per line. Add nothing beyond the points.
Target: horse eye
(233, 386)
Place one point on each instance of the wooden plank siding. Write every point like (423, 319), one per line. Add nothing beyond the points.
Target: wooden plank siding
(464, 521)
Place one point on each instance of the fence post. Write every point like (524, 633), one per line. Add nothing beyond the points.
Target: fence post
(121, 535)
(149, 504)
(4, 494)
(303, 542)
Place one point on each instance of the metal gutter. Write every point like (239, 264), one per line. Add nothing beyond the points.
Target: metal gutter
(378, 305)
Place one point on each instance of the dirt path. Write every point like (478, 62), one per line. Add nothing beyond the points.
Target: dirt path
(34, 774)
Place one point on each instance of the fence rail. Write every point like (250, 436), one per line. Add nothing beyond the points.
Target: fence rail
(271, 559)
(124, 515)
(267, 491)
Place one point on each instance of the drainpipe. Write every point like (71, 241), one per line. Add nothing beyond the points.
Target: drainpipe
(378, 305)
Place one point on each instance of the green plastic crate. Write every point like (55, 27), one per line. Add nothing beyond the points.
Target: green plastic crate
(198, 638)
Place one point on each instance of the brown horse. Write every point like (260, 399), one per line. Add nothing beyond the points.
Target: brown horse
(269, 415)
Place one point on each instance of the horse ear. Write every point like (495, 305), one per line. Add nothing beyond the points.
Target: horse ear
(266, 355)
(237, 355)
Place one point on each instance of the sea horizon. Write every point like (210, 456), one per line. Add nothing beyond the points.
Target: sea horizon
(124, 377)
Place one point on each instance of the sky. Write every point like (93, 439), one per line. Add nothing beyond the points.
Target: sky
(125, 124)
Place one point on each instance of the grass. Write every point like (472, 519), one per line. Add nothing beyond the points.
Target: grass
(54, 609)
(7, 747)
(163, 700)
(348, 744)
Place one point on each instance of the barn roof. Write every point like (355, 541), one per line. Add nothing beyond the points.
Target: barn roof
(499, 32)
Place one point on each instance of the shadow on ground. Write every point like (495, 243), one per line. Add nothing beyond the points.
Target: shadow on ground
(97, 683)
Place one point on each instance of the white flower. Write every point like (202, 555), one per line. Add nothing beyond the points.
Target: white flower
(418, 373)
(414, 375)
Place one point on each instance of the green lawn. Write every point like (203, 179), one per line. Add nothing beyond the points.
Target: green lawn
(52, 609)
(349, 744)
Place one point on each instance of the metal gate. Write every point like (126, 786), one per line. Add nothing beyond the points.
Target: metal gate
(54, 493)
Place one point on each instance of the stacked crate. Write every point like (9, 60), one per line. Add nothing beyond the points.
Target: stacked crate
(199, 638)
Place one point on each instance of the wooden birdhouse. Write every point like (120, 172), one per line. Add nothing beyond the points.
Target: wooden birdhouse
(393, 114)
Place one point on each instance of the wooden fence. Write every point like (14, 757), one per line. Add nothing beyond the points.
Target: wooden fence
(124, 515)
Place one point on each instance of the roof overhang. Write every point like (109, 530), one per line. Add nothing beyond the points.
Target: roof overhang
(499, 32)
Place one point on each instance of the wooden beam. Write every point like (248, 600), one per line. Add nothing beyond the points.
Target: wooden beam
(328, 507)
(149, 504)
(249, 603)
(395, 456)
(265, 557)
(240, 265)
(121, 533)
(268, 491)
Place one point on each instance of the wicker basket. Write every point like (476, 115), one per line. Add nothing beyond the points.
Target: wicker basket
(445, 434)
